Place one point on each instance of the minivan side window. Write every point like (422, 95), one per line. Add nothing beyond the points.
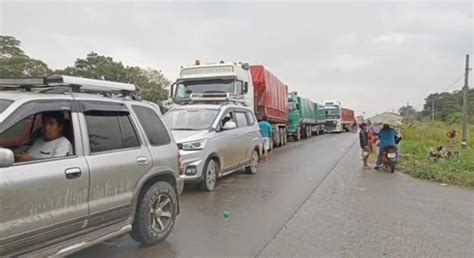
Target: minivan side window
(110, 130)
(154, 128)
(250, 118)
(241, 119)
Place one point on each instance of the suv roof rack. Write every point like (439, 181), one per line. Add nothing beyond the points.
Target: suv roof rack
(215, 98)
(58, 84)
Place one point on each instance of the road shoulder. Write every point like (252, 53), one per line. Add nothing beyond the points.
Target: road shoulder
(373, 214)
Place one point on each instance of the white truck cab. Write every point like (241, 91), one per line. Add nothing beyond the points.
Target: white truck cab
(222, 77)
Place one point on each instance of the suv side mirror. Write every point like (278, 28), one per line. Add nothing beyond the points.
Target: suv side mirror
(245, 88)
(229, 125)
(7, 158)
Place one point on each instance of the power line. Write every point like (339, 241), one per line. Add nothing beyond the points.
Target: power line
(452, 84)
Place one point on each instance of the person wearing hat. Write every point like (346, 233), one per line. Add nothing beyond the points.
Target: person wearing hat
(364, 144)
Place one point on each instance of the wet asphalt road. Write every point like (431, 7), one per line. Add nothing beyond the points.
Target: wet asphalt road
(259, 205)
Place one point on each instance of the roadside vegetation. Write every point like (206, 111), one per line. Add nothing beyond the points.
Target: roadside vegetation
(420, 137)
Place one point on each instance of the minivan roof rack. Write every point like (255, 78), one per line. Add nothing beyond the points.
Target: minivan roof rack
(63, 83)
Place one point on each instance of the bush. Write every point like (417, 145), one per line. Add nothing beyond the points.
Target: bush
(420, 137)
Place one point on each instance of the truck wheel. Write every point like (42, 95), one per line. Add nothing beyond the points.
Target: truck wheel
(155, 215)
(285, 137)
(211, 170)
(298, 135)
(252, 168)
(282, 141)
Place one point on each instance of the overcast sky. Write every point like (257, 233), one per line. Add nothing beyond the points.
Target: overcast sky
(372, 56)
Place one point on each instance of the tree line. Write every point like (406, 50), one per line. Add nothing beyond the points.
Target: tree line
(14, 62)
(448, 107)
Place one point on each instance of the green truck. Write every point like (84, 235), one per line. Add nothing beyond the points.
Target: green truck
(305, 118)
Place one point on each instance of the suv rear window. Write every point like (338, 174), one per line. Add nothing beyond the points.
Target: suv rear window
(110, 131)
(154, 129)
(4, 104)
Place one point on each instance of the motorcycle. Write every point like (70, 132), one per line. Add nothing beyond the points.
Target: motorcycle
(389, 158)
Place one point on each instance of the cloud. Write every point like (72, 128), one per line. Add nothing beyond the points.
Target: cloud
(349, 62)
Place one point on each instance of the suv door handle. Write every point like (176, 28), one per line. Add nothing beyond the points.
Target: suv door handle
(72, 173)
(142, 161)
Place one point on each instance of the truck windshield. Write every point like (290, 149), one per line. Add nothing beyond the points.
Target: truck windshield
(332, 114)
(185, 88)
(4, 104)
(190, 119)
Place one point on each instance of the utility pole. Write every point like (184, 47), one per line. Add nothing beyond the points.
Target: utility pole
(432, 108)
(465, 105)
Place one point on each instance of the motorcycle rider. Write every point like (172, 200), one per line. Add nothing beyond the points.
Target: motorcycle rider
(387, 139)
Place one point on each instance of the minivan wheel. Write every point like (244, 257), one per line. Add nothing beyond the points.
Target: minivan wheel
(252, 168)
(210, 176)
(155, 215)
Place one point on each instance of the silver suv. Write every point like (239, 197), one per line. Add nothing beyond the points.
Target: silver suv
(215, 140)
(78, 168)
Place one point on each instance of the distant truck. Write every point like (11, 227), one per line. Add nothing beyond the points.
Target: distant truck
(338, 119)
(305, 118)
(253, 85)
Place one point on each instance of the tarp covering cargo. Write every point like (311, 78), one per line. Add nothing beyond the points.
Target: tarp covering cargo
(307, 112)
(347, 115)
(271, 95)
(320, 112)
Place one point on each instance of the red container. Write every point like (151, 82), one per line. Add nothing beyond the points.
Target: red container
(271, 95)
(347, 115)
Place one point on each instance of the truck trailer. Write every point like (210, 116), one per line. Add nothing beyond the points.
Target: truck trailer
(301, 117)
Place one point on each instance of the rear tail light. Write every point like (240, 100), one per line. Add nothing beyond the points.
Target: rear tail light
(180, 164)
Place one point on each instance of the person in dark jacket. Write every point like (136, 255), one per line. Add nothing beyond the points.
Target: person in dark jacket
(364, 144)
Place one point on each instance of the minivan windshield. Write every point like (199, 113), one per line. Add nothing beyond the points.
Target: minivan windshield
(190, 119)
(4, 104)
(185, 88)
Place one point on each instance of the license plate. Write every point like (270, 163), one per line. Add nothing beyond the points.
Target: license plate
(391, 155)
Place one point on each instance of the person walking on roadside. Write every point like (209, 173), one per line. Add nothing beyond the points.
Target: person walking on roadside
(266, 130)
(364, 144)
(387, 139)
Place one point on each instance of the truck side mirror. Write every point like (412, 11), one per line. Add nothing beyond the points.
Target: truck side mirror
(7, 158)
(245, 88)
(172, 90)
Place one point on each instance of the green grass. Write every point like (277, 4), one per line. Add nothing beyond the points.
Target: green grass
(419, 137)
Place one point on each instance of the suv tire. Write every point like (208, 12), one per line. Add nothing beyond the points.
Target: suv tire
(210, 173)
(252, 168)
(156, 214)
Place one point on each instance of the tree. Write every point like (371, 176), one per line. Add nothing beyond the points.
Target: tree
(15, 63)
(152, 82)
(448, 106)
(408, 112)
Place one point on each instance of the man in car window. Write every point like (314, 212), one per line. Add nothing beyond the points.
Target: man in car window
(53, 143)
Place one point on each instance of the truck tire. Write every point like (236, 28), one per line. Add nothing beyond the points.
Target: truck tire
(298, 134)
(155, 215)
(285, 136)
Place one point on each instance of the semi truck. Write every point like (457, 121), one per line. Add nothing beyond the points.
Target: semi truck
(338, 118)
(254, 86)
(320, 117)
(301, 117)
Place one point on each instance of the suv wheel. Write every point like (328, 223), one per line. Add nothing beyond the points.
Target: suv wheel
(252, 168)
(156, 214)
(210, 175)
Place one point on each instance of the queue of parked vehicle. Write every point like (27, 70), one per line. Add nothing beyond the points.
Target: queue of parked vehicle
(84, 160)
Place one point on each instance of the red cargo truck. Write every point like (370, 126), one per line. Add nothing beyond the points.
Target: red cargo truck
(270, 101)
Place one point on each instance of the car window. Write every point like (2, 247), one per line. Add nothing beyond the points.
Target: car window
(154, 128)
(241, 119)
(228, 116)
(110, 130)
(251, 118)
(4, 104)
